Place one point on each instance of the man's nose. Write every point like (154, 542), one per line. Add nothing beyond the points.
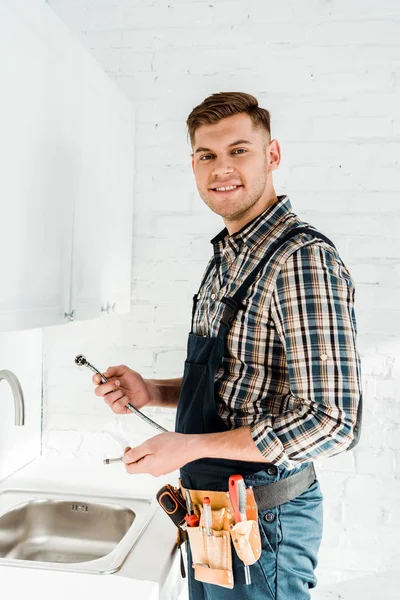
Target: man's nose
(222, 166)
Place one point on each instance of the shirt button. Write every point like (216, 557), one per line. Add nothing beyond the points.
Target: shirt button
(324, 357)
(213, 296)
(271, 470)
(269, 517)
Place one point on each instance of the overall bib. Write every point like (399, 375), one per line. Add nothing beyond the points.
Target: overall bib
(291, 532)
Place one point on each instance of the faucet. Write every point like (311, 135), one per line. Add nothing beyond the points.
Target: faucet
(17, 393)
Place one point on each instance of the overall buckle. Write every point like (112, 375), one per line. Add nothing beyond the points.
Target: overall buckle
(230, 310)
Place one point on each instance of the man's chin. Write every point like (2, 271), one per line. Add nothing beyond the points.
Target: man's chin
(228, 215)
(226, 212)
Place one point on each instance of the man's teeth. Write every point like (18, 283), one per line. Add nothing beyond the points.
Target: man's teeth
(224, 189)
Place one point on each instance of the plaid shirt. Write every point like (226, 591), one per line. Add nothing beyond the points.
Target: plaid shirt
(291, 369)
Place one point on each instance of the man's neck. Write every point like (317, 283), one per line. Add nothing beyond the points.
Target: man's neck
(234, 226)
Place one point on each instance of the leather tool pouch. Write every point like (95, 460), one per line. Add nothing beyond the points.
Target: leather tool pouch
(246, 536)
(212, 555)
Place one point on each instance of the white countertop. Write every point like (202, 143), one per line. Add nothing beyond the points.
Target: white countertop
(146, 567)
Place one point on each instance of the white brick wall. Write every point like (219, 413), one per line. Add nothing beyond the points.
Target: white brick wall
(329, 73)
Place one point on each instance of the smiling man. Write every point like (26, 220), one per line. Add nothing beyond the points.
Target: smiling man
(271, 381)
(238, 194)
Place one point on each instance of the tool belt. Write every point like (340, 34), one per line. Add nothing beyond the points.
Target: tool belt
(212, 554)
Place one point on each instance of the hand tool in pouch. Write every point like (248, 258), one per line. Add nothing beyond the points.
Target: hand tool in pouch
(192, 520)
(207, 515)
(237, 495)
(172, 503)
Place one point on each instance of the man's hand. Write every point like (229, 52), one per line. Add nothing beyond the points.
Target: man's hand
(160, 454)
(124, 385)
(170, 451)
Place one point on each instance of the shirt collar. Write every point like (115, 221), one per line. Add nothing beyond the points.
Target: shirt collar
(258, 228)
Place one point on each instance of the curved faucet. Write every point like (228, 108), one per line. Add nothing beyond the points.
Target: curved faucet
(17, 393)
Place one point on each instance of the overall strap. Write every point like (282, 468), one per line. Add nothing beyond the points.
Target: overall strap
(195, 297)
(232, 304)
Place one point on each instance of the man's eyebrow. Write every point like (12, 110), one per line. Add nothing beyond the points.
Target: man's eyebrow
(201, 149)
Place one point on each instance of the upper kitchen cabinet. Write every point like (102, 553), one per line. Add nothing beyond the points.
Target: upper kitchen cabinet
(102, 232)
(66, 185)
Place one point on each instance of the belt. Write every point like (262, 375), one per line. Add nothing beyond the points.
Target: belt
(266, 496)
(272, 494)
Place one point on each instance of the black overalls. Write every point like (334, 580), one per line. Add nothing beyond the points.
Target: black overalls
(197, 413)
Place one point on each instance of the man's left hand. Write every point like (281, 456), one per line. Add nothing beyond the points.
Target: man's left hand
(160, 454)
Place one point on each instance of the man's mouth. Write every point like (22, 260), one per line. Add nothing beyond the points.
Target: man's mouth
(229, 189)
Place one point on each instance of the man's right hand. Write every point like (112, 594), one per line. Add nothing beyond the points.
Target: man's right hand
(124, 385)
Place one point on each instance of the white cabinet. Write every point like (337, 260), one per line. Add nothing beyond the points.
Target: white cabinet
(102, 231)
(66, 185)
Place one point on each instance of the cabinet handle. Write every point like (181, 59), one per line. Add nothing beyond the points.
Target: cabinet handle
(108, 308)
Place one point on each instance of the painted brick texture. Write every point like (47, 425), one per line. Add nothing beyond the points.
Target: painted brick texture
(328, 71)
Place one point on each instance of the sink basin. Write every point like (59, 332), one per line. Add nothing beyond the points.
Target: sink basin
(81, 533)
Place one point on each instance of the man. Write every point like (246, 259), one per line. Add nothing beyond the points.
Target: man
(272, 377)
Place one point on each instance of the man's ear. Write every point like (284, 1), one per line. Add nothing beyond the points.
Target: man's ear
(274, 155)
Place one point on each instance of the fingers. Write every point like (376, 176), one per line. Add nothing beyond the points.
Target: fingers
(133, 455)
(97, 379)
(110, 391)
(117, 401)
(113, 396)
(140, 460)
(106, 388)
(112, 372)
(138, 467)
(115, 372)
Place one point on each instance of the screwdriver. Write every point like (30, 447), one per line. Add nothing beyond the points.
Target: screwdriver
(207, 515)
(237, 495)
(192, 520)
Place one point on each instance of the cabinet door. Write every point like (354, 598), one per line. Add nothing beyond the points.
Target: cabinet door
(37, 176)
(103, 210)
(117, 243)
(66, 188)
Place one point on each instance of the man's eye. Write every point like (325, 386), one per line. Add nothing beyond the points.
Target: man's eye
(237, 150)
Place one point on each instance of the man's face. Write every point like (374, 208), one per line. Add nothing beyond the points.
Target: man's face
(233, 153)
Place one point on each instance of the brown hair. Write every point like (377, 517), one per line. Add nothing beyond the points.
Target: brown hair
(225, 104)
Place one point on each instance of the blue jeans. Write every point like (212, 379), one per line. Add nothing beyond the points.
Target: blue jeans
(291, 536)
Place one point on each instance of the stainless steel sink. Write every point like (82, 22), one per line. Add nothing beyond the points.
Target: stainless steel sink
(90, 534)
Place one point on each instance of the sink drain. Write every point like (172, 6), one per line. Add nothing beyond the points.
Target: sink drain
(80, 507)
